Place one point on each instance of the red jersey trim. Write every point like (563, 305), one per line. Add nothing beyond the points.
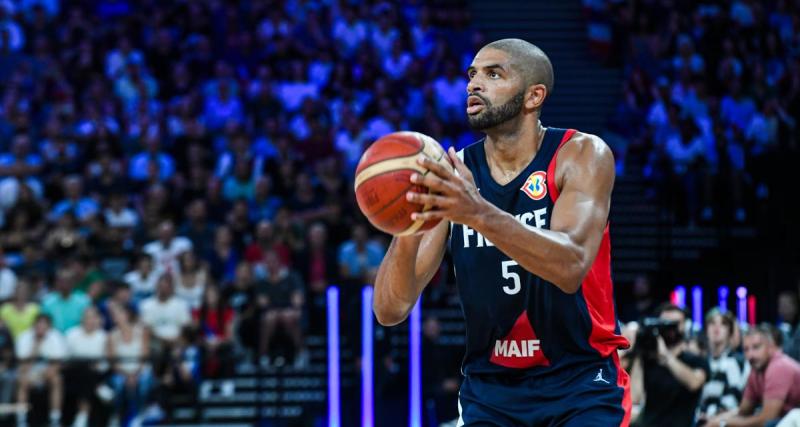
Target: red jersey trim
(552, 188)
(624, 382)
(598, 292)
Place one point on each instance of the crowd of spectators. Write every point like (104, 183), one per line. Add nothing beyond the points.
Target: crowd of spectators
(175, 183)
(715, 373)
(710, 101)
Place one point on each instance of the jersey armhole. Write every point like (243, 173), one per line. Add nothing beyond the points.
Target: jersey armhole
(552, 186)
(460, 155)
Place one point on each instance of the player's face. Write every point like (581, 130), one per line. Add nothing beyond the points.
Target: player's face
(495, 92)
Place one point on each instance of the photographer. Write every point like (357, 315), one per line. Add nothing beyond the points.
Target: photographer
(663, 370)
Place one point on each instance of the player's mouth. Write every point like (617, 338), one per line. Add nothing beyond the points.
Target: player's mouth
(474, 105)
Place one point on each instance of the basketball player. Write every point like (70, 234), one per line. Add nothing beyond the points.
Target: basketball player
(525, 216)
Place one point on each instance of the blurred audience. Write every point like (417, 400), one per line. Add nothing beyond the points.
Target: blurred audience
(710, 100)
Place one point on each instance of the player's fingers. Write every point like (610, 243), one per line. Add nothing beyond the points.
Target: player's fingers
(427, 215)
(425, 199)
(434, 167)
(430, 180)
(462, 169)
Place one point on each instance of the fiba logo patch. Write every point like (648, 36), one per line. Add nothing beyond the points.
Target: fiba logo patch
(536, 185)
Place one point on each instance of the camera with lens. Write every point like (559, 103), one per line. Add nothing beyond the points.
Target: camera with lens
(651, 329)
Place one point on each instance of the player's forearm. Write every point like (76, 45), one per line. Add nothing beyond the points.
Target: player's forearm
(396, 286)
(551, 255)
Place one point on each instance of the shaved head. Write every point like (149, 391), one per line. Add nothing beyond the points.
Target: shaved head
(528, 60)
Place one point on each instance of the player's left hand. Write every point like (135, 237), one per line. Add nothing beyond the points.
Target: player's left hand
(453, 196)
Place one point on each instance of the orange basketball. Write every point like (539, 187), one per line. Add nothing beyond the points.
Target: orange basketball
(383, 179)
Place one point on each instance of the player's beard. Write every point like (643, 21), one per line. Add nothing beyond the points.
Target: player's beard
(492, 116)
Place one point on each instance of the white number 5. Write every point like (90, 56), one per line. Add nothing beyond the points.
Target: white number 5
(511, 275)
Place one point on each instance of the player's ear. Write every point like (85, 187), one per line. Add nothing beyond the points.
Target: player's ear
(534, 96)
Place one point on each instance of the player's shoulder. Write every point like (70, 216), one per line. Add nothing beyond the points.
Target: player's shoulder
(587, 146)
(585, 157)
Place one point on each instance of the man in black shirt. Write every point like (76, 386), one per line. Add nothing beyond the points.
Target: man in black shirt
(669, 382)
(281, 292)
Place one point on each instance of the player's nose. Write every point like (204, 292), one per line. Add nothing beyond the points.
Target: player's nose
(474, 85)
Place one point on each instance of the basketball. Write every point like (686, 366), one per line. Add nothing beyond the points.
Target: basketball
(383, 179)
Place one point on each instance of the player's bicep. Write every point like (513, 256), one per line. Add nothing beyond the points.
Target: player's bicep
(431, 251)
(581, 210)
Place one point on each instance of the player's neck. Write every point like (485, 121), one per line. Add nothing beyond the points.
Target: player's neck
(511, 149)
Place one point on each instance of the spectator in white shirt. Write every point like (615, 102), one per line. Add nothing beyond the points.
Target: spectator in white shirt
(118, 214)
(192, 280)
(164, 313)
(143, 279)
(40, 351)
(87, 346)
(168, 247)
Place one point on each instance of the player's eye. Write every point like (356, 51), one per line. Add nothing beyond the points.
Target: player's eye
(471, 74)
(493, 75)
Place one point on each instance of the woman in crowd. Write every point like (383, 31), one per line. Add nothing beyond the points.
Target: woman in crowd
(191, 280)
(87, 346)
(128, 348)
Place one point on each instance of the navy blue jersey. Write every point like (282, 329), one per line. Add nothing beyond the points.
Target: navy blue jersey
(516, 322)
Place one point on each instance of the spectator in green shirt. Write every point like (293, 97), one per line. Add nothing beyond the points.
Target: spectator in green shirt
(64, 304)
(19, 313)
